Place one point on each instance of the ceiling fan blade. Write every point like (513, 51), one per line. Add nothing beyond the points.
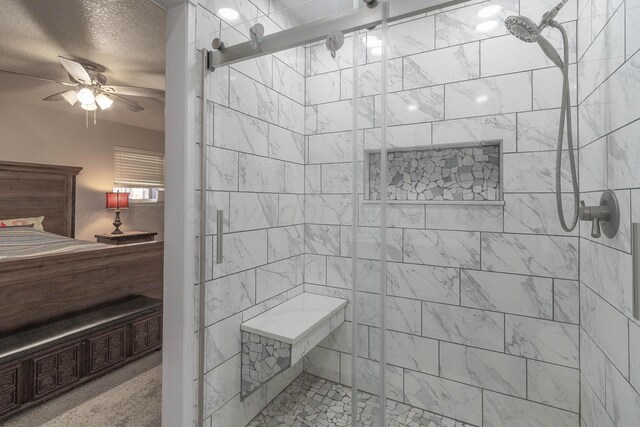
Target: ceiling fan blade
(76, 70)
(69, 96)
(135, 91)
(130, 105)
(39, 78)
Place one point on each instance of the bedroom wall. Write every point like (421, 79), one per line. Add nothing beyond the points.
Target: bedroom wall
(609, 106)
(482, 300)
(35, 134)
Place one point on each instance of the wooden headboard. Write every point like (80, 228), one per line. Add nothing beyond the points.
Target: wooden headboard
(31, 190)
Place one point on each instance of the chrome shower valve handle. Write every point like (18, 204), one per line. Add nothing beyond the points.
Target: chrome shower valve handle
(605, 217)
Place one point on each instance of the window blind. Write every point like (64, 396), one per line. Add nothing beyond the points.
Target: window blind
(136, 168)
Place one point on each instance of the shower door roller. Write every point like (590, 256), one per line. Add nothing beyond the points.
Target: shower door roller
(334, 42)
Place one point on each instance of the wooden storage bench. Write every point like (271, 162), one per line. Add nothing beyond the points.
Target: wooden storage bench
(42, 362)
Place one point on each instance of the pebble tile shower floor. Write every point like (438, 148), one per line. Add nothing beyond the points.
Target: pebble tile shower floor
(312, 401)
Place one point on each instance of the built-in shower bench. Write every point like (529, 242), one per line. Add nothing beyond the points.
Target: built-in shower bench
(278, 338)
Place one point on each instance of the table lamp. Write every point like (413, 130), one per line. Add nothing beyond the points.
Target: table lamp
(117, 201)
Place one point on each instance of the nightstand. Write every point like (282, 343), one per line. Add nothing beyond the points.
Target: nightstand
(126, 238)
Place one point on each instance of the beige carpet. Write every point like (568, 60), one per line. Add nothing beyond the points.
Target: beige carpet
(130, 396)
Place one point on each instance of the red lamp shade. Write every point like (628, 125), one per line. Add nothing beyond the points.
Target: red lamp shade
(117, 201)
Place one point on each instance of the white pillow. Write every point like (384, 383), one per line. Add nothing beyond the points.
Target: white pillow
(35, 222)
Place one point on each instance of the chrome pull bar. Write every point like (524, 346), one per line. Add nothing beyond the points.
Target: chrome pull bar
(635, 252)
(220, 237)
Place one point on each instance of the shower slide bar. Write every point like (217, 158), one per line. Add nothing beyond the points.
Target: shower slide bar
(349, 21)
(635, 252)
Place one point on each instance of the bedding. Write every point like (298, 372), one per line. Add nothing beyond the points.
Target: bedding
(22, 242)
(35, 222)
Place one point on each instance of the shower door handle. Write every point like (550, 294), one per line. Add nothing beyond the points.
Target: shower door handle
(220, 237)
(635, 255)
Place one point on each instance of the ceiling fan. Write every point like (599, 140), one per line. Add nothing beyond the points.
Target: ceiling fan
(90, 89)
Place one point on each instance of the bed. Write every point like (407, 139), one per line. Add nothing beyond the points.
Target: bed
(49, 275)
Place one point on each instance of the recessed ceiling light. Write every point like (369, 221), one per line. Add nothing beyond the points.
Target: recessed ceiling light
(228, 14)
(485, 27)
(482, 99)
(373, 42)
(488, 11)
(412, 108)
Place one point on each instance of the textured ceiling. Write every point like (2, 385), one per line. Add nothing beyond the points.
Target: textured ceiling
(126, 37)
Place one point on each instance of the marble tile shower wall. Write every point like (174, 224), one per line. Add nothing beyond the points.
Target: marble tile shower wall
(609, 109)
(483, 300)
(255, 153)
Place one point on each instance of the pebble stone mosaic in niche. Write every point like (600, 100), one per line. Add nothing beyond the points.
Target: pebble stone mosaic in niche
(461, 173)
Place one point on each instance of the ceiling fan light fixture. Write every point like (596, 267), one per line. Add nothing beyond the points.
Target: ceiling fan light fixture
(70, 96)
(86, 96)
(228, 14)
(89, 107)
(104, 101)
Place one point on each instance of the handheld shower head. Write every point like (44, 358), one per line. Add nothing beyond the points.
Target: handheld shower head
(523, 28)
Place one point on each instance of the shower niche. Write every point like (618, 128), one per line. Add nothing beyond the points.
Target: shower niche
(456, 173)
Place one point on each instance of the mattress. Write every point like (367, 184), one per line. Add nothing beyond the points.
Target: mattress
(23, 242)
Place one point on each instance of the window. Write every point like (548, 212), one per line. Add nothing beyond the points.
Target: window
(139, 173)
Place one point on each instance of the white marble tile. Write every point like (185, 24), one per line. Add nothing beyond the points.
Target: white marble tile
(492, 95)
(331, 148)
(281, 381)
(553, 385)
(340, 274)
(438, 284)
(601, 12)
(445, 248)
(538, 130)
(461, 325)
(221, 385)
(259, 69)
(320, 60)
(291, 115)
(634, 353)
(207, 27)
(239, 132)
(592, 369)
(500, 410)
(535, 172)
(310, 120)
(332, 209)
(242, 251)
(623, 401)
(294, 58)
(294, 178)
(488, 128)
(253, 98)
(261, 174)
(604, 56)
(547, 87)
(542, 340)
(613, 105)
(230, 295)
(442, 66)
(403, 136)
(370, 79)
(608, 272)
(535, 213)
(413, 106)
(566, 301)
(473, 23)
(592, 411)
(322, 239)
(338, 116)
(398, 216)
(536, 8)
(323, 363)
(444, 397)
(291, 209)
(315, 269)
(277, 277)
(486, 369)
(288, 82)
(312, 179)
(593, 167)
(508, 293)
(286, 145)
(216, 200)
(338, 178)
(403, 315)
(461, 217)
(222, 341)
(237, 413)
(622, 157)
(412, 352)
(368, 374)
(285, 242)
(369, 243)
(323, 88)
(536, 255)
(607, 327)
(250, 211)
(222, 169)
(341, 339)
(632, 37)
(408, 38)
